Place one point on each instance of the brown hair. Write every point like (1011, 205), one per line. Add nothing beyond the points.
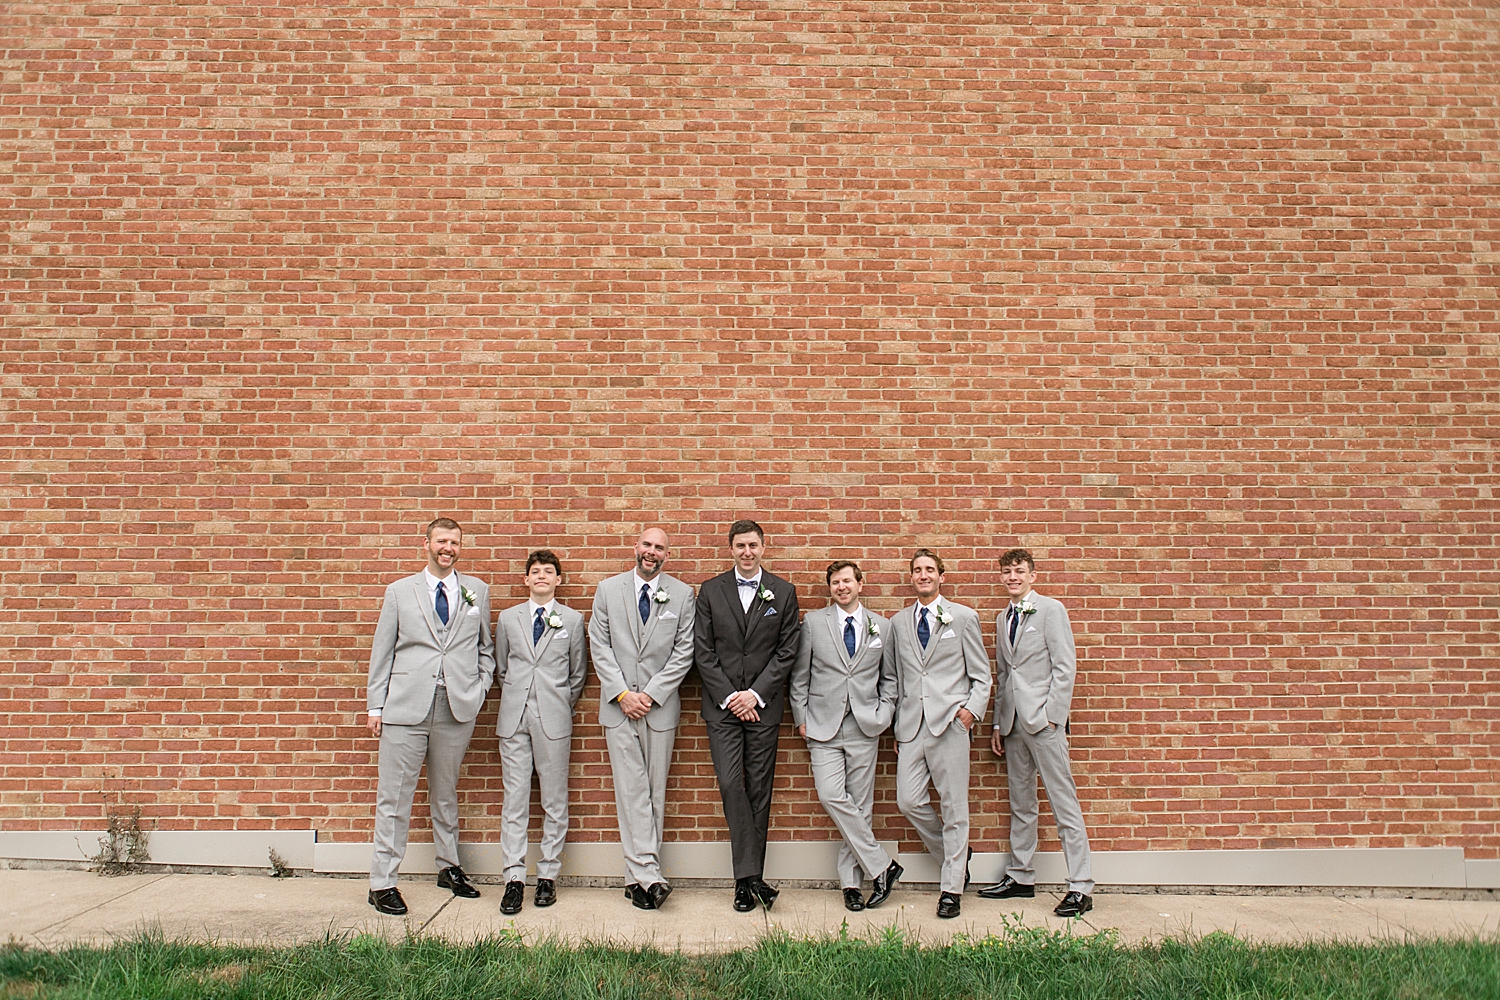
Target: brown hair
(930, 555)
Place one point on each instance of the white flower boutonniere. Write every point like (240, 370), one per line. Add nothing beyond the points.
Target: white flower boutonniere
(872, 626)
(661, 596)
(468, 595)
(1028, 607)
(766, 594)
(554, 620)
(944, 616)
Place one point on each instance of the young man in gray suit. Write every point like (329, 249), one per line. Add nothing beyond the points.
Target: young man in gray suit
(641, 638)
(944, 683)
(431, 663)
(542, 662)
(843, 698)
(1036, 666)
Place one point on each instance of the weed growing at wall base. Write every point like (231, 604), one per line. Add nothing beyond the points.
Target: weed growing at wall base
(1031, 963)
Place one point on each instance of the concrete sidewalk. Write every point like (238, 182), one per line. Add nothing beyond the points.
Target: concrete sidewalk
(55, 908)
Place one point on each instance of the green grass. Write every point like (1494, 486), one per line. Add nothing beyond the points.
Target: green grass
(1029, 963)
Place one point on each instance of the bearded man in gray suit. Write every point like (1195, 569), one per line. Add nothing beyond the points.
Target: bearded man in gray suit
(641, 638)
(541, 662)
(843, 697)
(1036, 666)
(431, 663)
(944, 682)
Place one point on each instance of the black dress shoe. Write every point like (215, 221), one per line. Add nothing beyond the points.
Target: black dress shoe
(515, 891)
(1007, 888)
(948, 904)
(454, 878)
(853, 900)
(764, 891)
(658, 894)
(1074, 904)
(546, 892)
(880, 888)
(639, 897)
(630, 890)
(966, 869)
(388, 901)
(744, 899)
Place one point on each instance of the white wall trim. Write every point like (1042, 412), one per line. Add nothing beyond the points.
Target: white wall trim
(1364, 867)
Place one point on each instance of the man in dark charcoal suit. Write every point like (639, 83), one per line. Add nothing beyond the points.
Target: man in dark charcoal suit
(745, 639)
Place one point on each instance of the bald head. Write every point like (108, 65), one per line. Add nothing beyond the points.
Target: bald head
(650, 553)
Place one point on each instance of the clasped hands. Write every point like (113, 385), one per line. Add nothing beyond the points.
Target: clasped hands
(744, 705)
(635, 704)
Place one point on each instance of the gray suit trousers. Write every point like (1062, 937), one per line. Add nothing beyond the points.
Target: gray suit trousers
(530, 751)
(844, 773)
(440, 740)
(640, 758)
(944, 761)
(1046, 752)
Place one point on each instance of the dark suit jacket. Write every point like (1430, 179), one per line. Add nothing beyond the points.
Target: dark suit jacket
(736, 651)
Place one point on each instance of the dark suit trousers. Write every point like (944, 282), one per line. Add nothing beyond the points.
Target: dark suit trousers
(744, 755)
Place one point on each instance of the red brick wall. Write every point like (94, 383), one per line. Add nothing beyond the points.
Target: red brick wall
(1199, 303)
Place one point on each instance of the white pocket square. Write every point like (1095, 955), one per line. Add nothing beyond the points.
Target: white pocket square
(562, 633)
(471, 612)
(874, 643)
(1030, 629)
(769, 612)
(947, 635)
(666, 614)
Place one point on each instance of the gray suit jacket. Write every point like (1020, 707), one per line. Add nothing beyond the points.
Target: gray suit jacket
(953, 672)
(1035, 676)
(555, 668)
(651, 658)
(827, 684)
(410, 644)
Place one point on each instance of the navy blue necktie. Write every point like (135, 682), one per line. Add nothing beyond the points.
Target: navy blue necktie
(1015, 619)
(924, 632)
(537, 626)
(849, 636)
(442, 603)
(645, 602)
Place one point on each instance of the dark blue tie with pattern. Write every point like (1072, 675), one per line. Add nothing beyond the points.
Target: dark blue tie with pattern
(442, 603)
(849, 636)
(537, 626)
(645, 602)
(924, 631)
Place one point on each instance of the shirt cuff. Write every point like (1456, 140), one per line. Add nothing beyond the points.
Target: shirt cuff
(759, 701)
(375, 713)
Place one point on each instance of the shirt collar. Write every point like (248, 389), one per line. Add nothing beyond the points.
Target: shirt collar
(433, 582)
(856, 614)
(533, 605)
(654, 584)
(932, 606)
(753, 579)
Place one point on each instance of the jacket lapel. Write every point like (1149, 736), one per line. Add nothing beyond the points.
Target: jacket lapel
(911, 631)
(833, 617)
(429, 613)
(523, 616)
(632, 611)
